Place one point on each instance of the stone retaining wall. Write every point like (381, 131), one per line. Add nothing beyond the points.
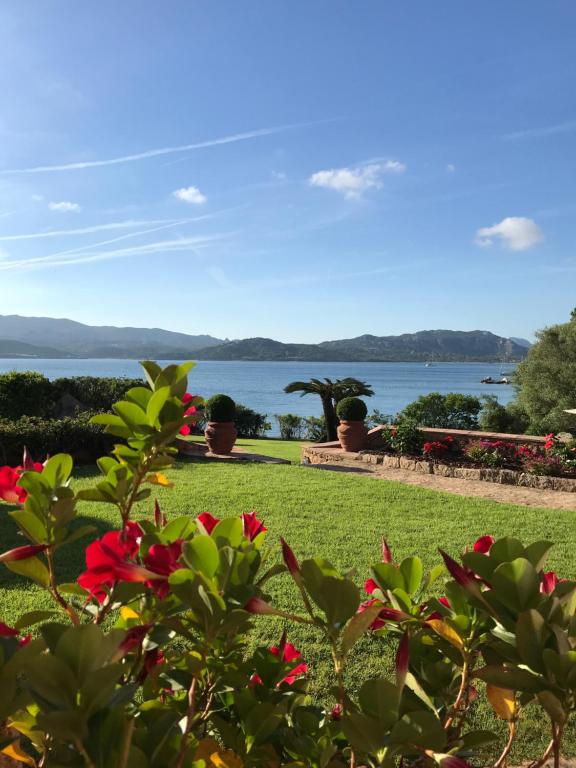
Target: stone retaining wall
(374, 438)
(331, 453)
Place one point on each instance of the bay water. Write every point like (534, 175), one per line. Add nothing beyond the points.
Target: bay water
(259, 385)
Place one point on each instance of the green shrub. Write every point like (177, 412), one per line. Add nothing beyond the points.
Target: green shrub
(220, 408)
(496, 417)
(249, 423)
(377, 418)
(451, 411)
(407, 438)
(315, 429)
(94, 392)
(351, 409)
(25, 393)
(291, 426)
(47, 437)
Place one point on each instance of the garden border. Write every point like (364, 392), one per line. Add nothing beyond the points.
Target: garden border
(332, 453)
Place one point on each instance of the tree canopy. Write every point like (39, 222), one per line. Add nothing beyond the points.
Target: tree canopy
(546, 380)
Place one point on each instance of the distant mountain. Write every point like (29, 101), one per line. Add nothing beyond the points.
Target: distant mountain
(424, 346)
(38, 337)
(521, 342)
(67, 338)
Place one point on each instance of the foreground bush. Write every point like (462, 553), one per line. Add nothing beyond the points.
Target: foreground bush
(25, 393)
(451, 411)
(143, 663)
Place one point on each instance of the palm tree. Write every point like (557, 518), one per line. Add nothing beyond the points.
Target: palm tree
(330, 393)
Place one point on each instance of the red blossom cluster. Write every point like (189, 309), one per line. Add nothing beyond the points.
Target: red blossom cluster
(10, 491)
(438, 448)
(190, 411)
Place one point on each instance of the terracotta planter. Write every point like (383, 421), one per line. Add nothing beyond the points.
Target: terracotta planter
(220, 436)
(352, 435)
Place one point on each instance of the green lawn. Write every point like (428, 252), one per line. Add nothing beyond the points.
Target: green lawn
(339, 516)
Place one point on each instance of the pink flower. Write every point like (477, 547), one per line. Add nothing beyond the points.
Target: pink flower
(484, 544)
(251, 526)
(207, 521)
(188, 398)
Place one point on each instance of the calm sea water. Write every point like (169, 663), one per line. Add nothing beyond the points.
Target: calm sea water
(260, 385)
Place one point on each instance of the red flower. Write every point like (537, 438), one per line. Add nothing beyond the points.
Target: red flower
(548, 582)
(484, 544)
(207, 521)
(22, 553)
(290, 559)
(108, 560)
(152, 659)
(336, 712)
(386, 551)
(10, 491)
(369, 586)
(445, 602)
(462, 575)
(291, 653)
(163, 559)
(251, 526)
(6, 631)
(185, 429)
(378, 622)
(133, 638)
(259, 606)
(402, 658)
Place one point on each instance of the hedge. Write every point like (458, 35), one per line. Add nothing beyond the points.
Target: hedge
(45, 437)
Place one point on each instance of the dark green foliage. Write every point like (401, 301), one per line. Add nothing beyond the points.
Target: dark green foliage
(291, 426)
(47, 437)
(351, 409)
(315, 430)
(250, 423)
(407, 438)
(93, 392)
(220, 408)
(546, 380)
(377, 418)
(451, 411)
(496, 417)
(25, 393)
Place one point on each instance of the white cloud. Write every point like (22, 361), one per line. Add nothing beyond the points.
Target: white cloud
(352, 182)
(450, 168)
(37, 198)
(517, 233)
(543, 131)
(4, 254)
(190, 195)
(65, 207)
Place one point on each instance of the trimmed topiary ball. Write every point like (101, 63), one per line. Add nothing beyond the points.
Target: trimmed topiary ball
(351, 409)
(220, 408)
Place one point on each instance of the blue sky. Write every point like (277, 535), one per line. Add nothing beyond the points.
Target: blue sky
(300, 169)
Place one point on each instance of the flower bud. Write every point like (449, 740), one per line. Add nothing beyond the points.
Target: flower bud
(290, 559)
(22, 553)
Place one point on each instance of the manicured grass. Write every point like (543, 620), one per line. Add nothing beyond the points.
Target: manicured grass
(336, 515)
(279, 449)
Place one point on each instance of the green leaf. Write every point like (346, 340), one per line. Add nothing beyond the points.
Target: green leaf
(512, 678)
(139, 395)
(537, 552)
(364, 733)
(33, 617)
(530, 639)
(201, 554)
(58, 469)
(151, 370)
(228, 531)
(32, 526)
(380, 699)
(260, 723)
(357, 626)
(32, 568)
(553, 706)
(421, 729)
(79, 533)
(388, 576)
(412, 571)
(516, 584)
(133, 416)
(506, 549)
(156, 403)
